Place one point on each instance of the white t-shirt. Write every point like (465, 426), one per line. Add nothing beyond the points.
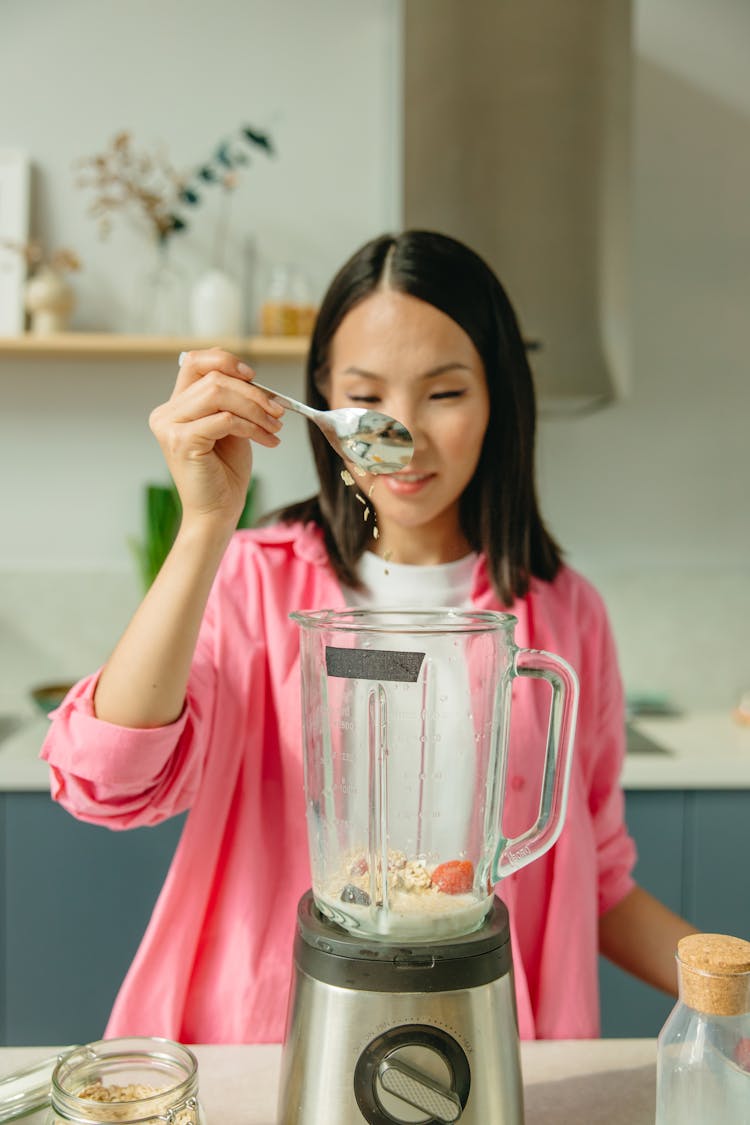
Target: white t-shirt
(402, 584)
(451, 759)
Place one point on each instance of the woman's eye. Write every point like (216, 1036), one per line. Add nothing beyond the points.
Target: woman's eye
(447, 394)
(363, 398)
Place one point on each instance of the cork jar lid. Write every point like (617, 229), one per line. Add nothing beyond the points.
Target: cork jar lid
(715, 973)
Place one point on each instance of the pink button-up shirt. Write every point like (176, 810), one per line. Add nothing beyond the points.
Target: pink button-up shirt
(215, 963)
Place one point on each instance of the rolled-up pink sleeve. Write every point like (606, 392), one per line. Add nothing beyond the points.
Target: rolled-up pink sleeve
(123, 777)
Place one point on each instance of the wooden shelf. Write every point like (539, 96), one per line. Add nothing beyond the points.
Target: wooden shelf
(67, 345)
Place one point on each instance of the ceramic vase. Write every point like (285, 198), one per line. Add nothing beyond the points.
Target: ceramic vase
(49, 302)
(216, 306)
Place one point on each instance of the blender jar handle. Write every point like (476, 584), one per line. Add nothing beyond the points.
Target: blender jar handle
(512, 854)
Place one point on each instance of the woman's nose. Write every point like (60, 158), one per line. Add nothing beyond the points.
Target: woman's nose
(408, 416)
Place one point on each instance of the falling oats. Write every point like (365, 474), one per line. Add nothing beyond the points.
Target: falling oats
(367, 513)
(347, 477)
(361, 499)
(375, 532)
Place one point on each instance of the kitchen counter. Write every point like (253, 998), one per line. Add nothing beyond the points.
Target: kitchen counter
(599, 1082)
(703, 750)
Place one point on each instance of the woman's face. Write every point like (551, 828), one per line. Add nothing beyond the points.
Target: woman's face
(398, 354)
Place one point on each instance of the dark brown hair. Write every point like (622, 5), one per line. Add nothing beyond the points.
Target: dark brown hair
(499, 509)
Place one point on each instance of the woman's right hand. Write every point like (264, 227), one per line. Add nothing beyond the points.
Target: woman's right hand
(205, 431)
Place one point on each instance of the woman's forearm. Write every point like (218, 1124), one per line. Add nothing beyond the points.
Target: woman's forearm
(640, 935)
(144, 681)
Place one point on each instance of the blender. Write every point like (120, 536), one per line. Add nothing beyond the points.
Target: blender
(402, 1006)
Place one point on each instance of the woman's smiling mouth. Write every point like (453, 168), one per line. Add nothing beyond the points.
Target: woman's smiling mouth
(404, 484)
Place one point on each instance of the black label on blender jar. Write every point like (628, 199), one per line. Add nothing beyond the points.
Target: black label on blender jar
(371, 664)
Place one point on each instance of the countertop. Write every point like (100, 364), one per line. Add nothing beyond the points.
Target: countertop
(703, 750)
(584, 1082)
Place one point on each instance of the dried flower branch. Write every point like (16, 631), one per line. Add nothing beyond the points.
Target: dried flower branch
(124, 179)
(61, 261)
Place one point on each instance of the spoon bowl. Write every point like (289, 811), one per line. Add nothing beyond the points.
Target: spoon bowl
(371, 441)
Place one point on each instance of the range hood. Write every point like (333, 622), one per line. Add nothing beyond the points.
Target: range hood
(516, 120)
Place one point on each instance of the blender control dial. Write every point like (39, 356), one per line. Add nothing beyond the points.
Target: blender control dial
(400, 1082)
(414, 1074)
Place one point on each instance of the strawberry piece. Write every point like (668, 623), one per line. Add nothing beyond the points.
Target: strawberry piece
(456, 877)
(742, 1054)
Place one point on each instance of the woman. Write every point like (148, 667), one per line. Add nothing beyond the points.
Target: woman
(198, 706)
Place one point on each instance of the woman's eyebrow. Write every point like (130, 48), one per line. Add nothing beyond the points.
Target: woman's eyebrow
(439, 370)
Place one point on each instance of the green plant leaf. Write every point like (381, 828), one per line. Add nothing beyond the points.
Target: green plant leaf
(262, 140)
(162, 515)
(247, 517)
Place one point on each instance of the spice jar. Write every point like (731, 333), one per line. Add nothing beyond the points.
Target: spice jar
(288, 309)
(135, 1081)
(703, 1050)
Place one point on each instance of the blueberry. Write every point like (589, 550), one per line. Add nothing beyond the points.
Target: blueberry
(351, 893)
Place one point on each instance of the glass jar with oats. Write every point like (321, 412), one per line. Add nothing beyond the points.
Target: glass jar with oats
(141, 1080)
(135, 1081)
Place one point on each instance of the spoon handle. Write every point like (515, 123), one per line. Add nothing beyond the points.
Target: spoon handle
(291, 403)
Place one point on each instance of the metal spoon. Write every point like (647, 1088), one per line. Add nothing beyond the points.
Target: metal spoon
(373, 442)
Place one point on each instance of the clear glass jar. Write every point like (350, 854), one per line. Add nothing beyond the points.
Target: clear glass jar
(162, 296)
(703, 1050)
(288, 309)
(136, 1081)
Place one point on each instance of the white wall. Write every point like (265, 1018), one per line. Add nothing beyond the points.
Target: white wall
(321, 78)
(183, 74)
(649, 497)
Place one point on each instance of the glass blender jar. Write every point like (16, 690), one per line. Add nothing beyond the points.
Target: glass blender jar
(406, 725)
(402, 1005)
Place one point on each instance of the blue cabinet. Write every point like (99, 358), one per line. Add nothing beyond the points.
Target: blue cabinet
(76, 901)
(693, 849)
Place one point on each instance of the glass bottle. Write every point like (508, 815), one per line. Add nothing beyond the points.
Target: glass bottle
(703, 1050)
(162, 296)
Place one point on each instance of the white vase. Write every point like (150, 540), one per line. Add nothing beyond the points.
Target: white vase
(216, 306)
(49, 301)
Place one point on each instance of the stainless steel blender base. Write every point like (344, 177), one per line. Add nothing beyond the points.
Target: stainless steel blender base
(359, 1055)
(333, 1027)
